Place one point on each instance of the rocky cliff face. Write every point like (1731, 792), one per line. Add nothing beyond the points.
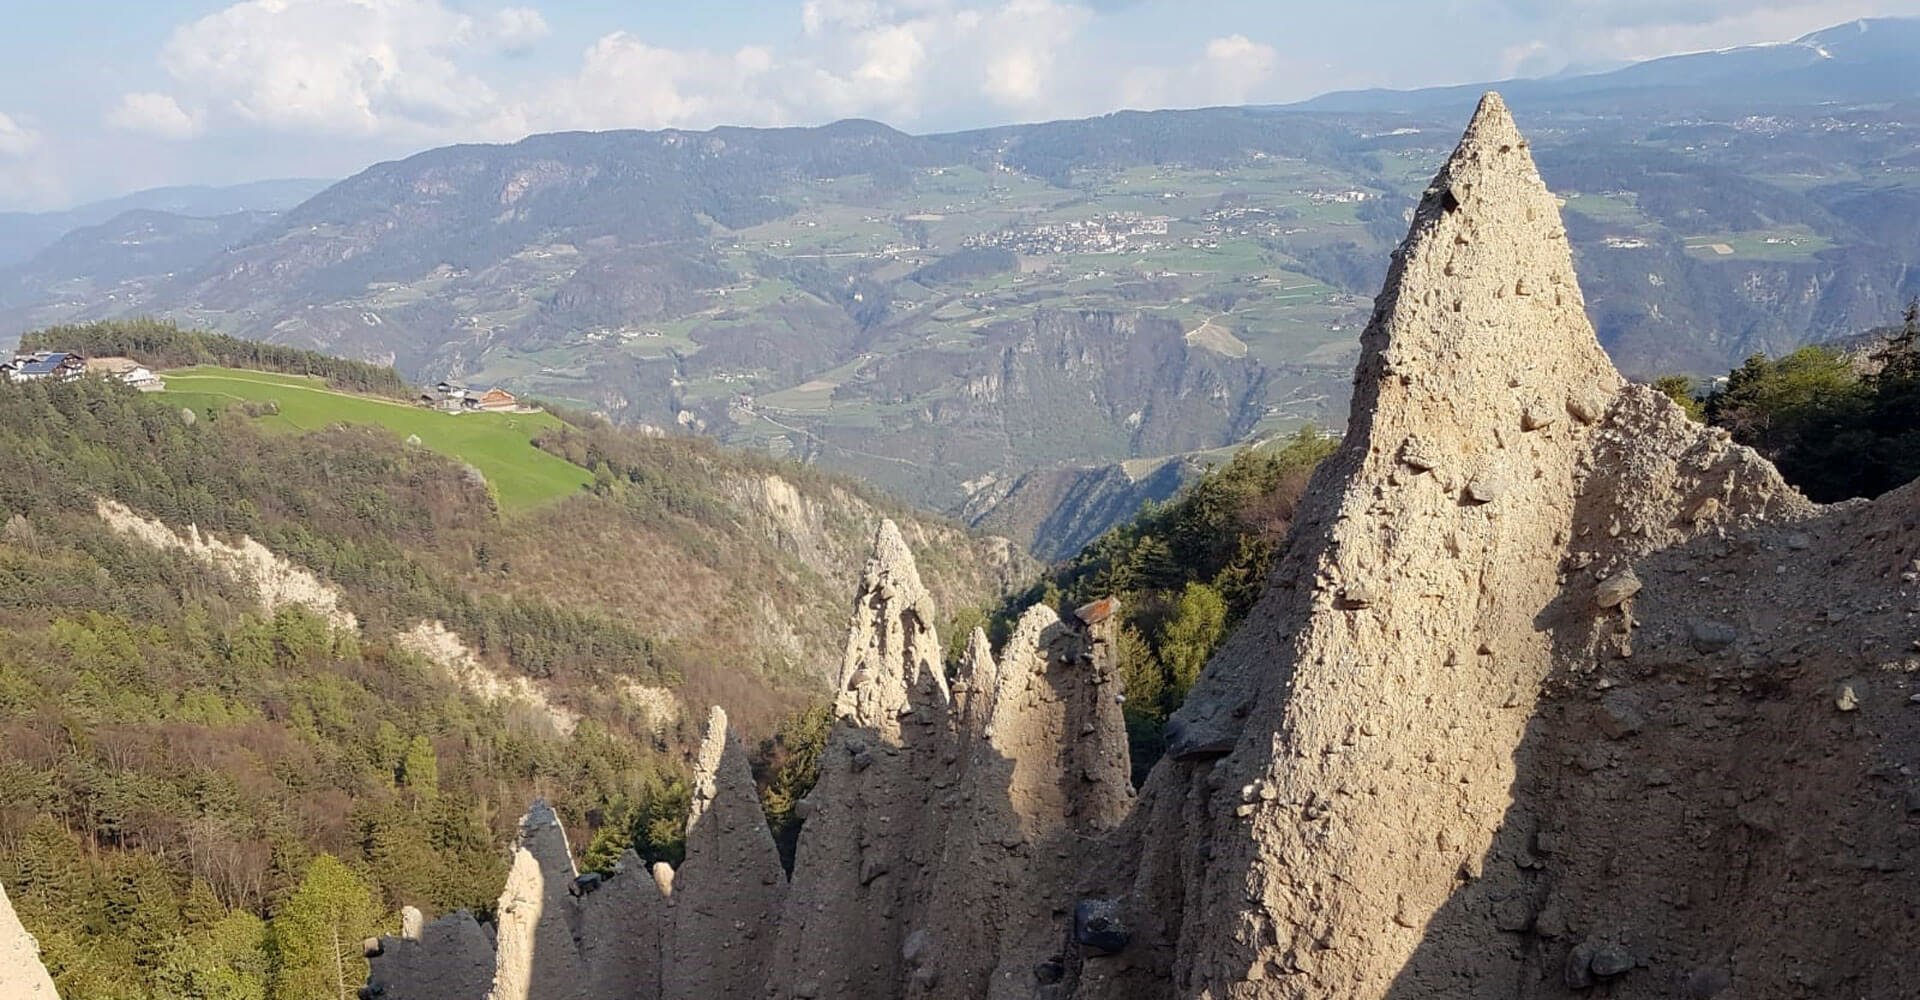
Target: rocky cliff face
(1556, 694)
(1054, 513)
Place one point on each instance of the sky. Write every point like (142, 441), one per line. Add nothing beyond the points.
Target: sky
(99, 98)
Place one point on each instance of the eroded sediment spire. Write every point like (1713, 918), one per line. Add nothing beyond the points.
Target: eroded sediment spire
(726, 899)
(536, 937)
(863, 853)
(22, 977)
(1478, 362)
(1373, 700)
(623, 928)
(975, 683)
(892, 664)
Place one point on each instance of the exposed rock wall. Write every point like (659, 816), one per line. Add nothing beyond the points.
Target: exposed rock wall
(280, 582)
(22, 977)
(622, 932)
(451, 958)
(1555, 694)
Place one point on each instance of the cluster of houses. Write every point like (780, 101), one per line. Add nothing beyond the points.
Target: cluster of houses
(64, 366)
(454, 397)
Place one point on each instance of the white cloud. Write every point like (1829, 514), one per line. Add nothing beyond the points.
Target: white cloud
(415, 71)
(1234, 67)
(16, 140)
(904, 61)
(369, 67)
(1530, 58)
(512, 30)
(154, 114)
(1025, 43)
(29, 177)
(1582, 31)
(625, 82)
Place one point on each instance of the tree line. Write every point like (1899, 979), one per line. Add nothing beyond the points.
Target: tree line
(1837, 423)
(162, 344)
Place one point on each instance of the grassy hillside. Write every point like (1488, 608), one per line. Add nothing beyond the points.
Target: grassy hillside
(500, 445)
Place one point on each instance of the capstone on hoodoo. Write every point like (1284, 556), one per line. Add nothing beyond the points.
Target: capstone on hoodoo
(1555, 693)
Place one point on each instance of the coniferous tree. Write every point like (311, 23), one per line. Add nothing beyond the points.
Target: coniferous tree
(1198, 622)
(316, 937)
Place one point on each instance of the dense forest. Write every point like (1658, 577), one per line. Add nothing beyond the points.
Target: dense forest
(199, 794)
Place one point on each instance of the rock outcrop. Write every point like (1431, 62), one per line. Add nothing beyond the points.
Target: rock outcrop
(1555, 693)
(1468, 744)
(22, 977)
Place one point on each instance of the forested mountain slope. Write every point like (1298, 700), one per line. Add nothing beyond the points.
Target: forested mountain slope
(252, 677)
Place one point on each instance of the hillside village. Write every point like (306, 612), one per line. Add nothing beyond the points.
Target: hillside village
(456, 397)
(63, 366)
(446, 396)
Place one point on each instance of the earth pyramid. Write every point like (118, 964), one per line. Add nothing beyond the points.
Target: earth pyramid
(1556, 692)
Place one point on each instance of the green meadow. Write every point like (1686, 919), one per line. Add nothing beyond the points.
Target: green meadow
(500, 445)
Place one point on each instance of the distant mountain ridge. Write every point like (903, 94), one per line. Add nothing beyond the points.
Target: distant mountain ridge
(1864, 60)
(23, 234)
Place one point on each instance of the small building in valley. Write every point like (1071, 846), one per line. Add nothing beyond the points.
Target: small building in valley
(496, 399)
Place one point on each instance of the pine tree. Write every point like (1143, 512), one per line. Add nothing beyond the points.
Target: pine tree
(420, 767)
(1198, 621)
(1144, 682)
(316, 937)
(202, 908)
